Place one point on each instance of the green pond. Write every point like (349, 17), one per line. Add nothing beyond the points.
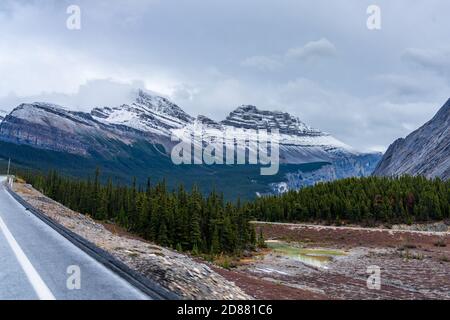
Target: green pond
(313, 257)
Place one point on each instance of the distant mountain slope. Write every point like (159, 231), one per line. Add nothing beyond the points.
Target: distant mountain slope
(425, 151)
(134, 139)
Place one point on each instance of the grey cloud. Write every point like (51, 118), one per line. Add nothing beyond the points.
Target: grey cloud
(263, 63)
(403, 87)
(366, 123)
(211, 56)
(322, 48)
(311, 51)
(437, 60)
(94, 93)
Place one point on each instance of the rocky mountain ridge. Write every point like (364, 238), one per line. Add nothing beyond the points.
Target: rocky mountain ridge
(145, 128)
(426, 151)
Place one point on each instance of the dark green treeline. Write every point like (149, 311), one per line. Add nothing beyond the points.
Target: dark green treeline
(180, 219)
(208, 224)
(360, 200)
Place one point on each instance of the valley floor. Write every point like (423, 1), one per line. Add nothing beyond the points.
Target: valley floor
(301, 261)
(321, 262)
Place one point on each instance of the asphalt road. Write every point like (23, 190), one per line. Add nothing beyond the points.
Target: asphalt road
(36, 262)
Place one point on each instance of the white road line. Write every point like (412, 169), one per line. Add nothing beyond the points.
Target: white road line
(36, 281)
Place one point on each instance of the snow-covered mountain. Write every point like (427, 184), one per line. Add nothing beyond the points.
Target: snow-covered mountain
(299, 143)
(292, 131)
(115, 131)
(157, 115)
(147, 113)
(52, 127)
(425, 151)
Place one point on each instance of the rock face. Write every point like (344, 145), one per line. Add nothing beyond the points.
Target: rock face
(250, 117)
(50, 127)
(425, 151)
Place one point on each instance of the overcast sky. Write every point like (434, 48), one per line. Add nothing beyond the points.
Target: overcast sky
(314, 59)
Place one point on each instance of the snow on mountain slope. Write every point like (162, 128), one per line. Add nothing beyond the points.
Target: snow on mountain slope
(53, 127)
(250, 117)
(146, 113)
(3, 114)
(298, 142)
(150, 113)
(425, 151)
(40, 113)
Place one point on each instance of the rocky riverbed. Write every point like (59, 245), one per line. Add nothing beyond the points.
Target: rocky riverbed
(334, 262)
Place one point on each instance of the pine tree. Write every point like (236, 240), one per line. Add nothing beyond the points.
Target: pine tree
(123, 218)
(261, 241)
(215, 242)
(195, 232)
(162, 234)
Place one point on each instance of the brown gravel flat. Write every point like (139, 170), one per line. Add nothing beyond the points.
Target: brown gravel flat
(265, 289)
(354, 236)
(414, 264)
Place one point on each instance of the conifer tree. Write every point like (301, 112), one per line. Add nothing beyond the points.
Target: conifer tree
(261, 241)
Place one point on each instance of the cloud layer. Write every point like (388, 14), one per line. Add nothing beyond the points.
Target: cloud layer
(316, 60)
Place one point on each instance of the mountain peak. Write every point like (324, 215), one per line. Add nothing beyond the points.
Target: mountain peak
(247, 108)
(145, 97)
(147, 112)
(250, 117)
(444, 111)
(205, 120)
(160, 105)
